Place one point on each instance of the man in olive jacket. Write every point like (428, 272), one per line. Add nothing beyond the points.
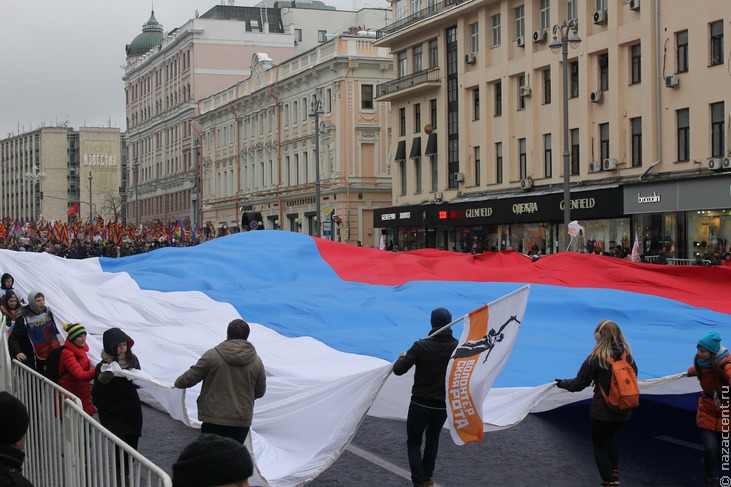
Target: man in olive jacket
(233, 377)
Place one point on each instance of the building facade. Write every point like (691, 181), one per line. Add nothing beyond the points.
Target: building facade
(167, 73)
(478, 85)
(45, 172)
(259, 148)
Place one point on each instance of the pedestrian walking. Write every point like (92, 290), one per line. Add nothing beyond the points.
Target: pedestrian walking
(428, 408)
(712, 366)
(13, 430)
(35, 333)
(213, 460)
(605, 421)
(74, 369)
(233, 377)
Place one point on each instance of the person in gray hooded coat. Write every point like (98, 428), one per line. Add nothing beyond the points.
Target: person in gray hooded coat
(233, 377)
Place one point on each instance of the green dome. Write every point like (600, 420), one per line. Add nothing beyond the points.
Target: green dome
(150, 37)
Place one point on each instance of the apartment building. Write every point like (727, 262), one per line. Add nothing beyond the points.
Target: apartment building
(259, 151)
(46, 171)
(167, 73)
(478, 86)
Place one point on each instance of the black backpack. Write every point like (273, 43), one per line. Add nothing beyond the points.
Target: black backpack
(53, 362)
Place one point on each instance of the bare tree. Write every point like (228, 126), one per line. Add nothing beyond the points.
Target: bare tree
(112, 208)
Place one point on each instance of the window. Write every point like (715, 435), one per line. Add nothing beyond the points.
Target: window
(682, 121)
(520, 22)
(603, 141)
(402, 122)
(522, 161)
(297, 35)
(496, 30)
(433, 116)
(547, 86)
(434, 172)
(328, 100)
(601, 4)
(636, 126)
(433, 54)
(403, 68)
(418, 62)
(295, 112)
(572, 9)
(545, 8)
(498, 98)
(717, 43)
(296, 169)
(304, 108)
(681, 51)
(635, 63)
(575, 162)
(717, 126)
(417, 117)
(476, 104)
(521, 93)
(286, 115)
(402, 168)
(499, 162)
(321, 35)
(574, 75)
(547, 156)
(414, 6)
(417, 174)
(366, 97)
(477, 165)
(604, 72)
(475, 37)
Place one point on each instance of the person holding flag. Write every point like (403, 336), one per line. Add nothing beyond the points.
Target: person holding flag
(427, 409)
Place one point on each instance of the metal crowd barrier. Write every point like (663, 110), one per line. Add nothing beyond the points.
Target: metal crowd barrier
(65, 446)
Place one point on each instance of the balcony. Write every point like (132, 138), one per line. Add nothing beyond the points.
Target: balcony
(413, 18)
(407, 85)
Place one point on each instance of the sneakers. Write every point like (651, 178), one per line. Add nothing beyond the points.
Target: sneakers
(615, 477)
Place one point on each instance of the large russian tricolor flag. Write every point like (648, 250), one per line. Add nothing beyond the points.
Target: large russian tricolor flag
(328, 319)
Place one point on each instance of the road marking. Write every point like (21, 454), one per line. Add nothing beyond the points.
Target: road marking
(688, 444)
(376, 460)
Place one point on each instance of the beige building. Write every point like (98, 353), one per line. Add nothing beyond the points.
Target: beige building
(44, 172)
(259, 145)
(648, 101)
(167, 73)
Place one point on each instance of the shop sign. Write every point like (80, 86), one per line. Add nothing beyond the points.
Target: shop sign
(520, 208)
(654, 198)
(404, 215)
(478, 212)
(580, 204)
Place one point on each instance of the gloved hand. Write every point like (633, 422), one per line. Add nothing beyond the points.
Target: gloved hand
(558, 383)
(114, 368)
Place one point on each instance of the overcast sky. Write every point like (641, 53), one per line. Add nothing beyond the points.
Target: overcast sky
(62, 59)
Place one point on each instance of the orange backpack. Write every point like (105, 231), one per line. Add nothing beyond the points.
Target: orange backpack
(624, 392)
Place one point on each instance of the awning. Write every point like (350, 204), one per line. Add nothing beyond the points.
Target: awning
(415, 148)
(401, 151)
(431, 145)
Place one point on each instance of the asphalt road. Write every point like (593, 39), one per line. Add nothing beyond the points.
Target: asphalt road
(660, 446)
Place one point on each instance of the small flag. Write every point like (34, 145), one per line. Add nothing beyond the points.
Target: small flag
(635, 256)
(73, 210)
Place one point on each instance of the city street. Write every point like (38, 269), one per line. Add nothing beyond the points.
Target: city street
(659, 447)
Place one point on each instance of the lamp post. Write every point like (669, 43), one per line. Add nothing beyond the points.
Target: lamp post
(136, 169)
(90, 204)
(316, 112)
(197, 183)
(35, 177)
(568, 37)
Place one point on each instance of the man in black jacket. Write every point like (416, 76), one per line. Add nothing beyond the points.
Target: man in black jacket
(13, 429)
(428, 409)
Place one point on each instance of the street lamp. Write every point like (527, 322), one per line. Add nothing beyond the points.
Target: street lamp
(317, 110)
(90, 204)
(35, 177)
(197, 196)
(568, 37)
(136, 169)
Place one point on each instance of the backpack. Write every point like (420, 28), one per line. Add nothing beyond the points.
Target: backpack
(53, 363)
(624, 392)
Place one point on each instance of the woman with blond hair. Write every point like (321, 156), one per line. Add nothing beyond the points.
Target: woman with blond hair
(605, 421)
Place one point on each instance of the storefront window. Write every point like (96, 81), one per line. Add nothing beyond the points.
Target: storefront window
(708, 233)
(659, 233)
(605, 235)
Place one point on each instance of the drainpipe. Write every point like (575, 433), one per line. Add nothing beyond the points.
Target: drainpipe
(658, 87)
(237, 121)
(279, 149)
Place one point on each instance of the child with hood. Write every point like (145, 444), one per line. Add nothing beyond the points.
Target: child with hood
(712, 366)
(35, 333)
(9, 307)
(74, 368)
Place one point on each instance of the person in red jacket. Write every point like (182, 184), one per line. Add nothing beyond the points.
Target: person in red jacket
(74, 368)
(712, 366)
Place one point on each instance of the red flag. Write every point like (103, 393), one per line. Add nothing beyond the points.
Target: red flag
(73, 210)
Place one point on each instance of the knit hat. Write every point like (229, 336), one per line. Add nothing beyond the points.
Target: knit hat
(73, 330)
(212, 460)
(440, 317)
(13, 419)
(711, 341)
(238, 329)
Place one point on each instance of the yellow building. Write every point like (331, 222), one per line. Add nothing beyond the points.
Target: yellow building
(477, 108)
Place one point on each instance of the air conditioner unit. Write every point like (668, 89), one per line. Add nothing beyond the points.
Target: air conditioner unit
(520, 41)
(525, 91)
(595, 96)
(727, 163)
(595, 166)
(715, 164)
(600, 17)
(672, 81)
(459, 177)
(438, 196)
(470, 58)
(609, 164)
(526, 184)
(634, 4)
(539, 36)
